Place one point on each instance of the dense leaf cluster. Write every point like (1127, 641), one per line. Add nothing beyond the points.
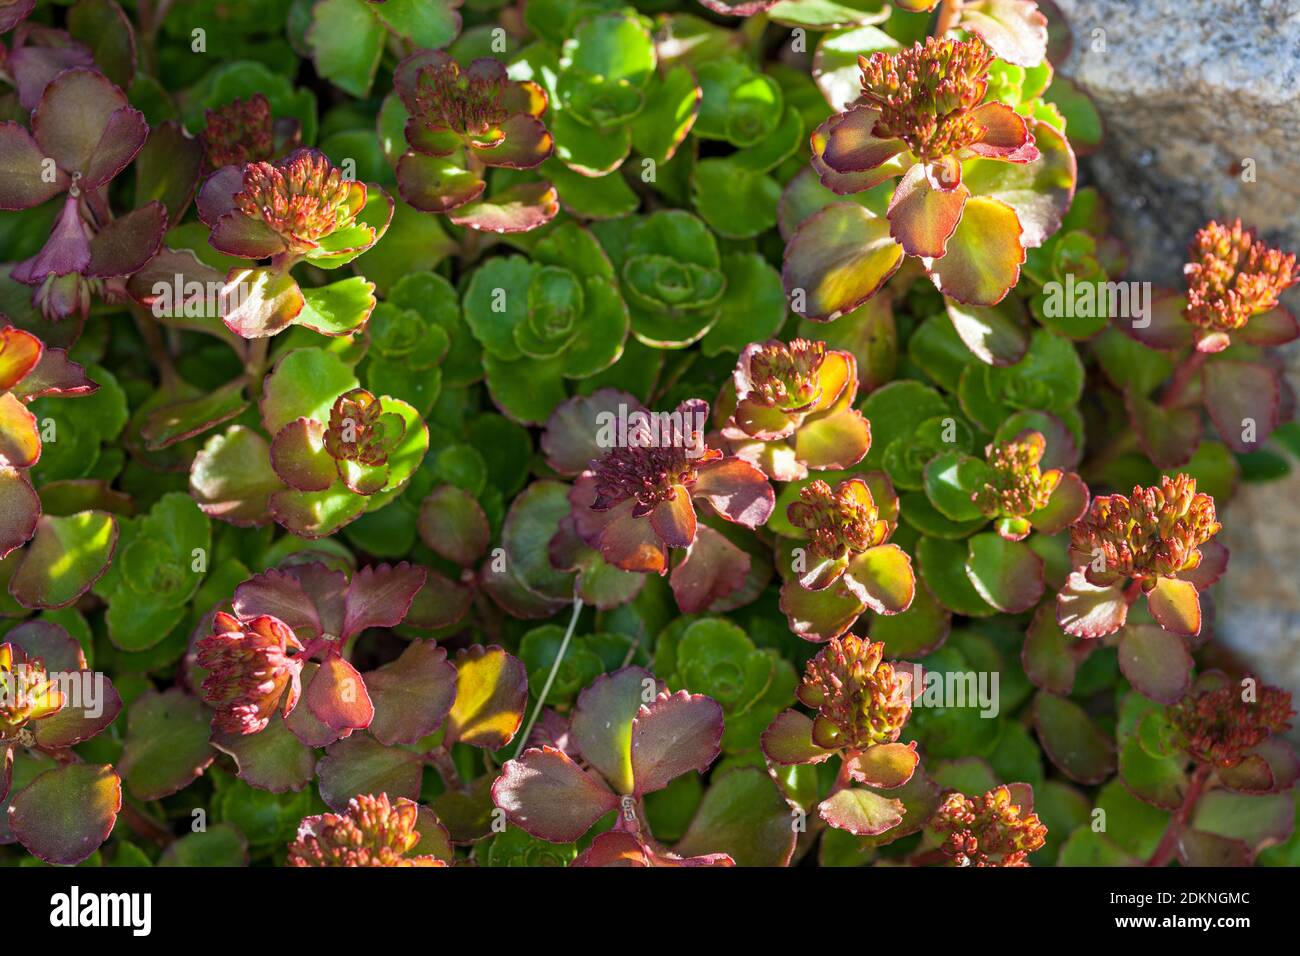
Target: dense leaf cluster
(592, 432)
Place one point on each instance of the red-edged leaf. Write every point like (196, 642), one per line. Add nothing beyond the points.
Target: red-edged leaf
(713, 569)
(861, 812)
(887, 766)
(1243, 400)
(1007, 574)
(1070, 738)
(360, 764)
(984, 254)
(337, 696)
(882, 579)
(737, 490)
(65, 814)
(272, 759)
(788, 740)
(673, 735)
(1086, 610)
(1155, 662)
(379, 596)
(412, 695)
(546, 794)
(922, 215)
(1176, 606)
(838, 259)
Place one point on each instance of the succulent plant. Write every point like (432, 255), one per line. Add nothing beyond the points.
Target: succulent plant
(586, 434)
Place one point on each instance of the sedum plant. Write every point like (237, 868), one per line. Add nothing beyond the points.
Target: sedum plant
(593, 434)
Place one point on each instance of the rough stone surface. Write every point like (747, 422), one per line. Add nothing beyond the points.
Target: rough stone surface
(1189, 91)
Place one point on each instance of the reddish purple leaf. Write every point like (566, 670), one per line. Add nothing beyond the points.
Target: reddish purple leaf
(673, 735)
(546, 794)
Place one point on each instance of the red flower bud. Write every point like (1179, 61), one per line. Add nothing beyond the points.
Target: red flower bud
(1219, 727)
(1233, 276)
(249, 670)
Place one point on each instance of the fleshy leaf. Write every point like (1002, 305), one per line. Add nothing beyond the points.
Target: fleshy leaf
(359, 764)
(412, 695)
(839, 258)
(65, 814)
(546, 794)
(1070, 738)
(887, 766)
(1007, 574)
(67, 555)
(167, 745)
(1086, 610)
(453, 524)
(1156, 662)
(602, 723)
(491, 694)
(788, 740)
(861, 812)
(1176, 606)
(671, 736)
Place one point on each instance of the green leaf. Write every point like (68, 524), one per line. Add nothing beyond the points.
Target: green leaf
(743, 815)
(1072, 740)
(1007, 574)
(167, 745)
(338, 308)
(65, 814)
(347, 40)
(219, 845)
(304, 384)
(739, 104)
(65, 557)
(737, 202)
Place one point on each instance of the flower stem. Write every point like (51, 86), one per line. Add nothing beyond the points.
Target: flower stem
(949, 11)
(440, 757)
(1183, 376)
(550, 678)
(1168, 847)
(256, 364)
(153, 340)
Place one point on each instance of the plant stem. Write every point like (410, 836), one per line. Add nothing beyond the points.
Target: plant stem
(550, 678)
(949, 11)
(1168, 847)
(446, 767)
(153, 340)
(255, 366)
(145, 825)
(1183, 376)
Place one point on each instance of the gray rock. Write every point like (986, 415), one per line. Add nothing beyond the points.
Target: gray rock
(1195, 96)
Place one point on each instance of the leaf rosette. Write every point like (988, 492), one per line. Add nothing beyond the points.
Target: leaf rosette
(461, 122)
(299, 209)
(861, 704)
(557, 318)
(338, 450)
(848, 564)
(924, 120)
(790, 409)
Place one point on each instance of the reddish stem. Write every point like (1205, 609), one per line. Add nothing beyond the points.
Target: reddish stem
(949, 12)
(1183, 377)
(1168, 847)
